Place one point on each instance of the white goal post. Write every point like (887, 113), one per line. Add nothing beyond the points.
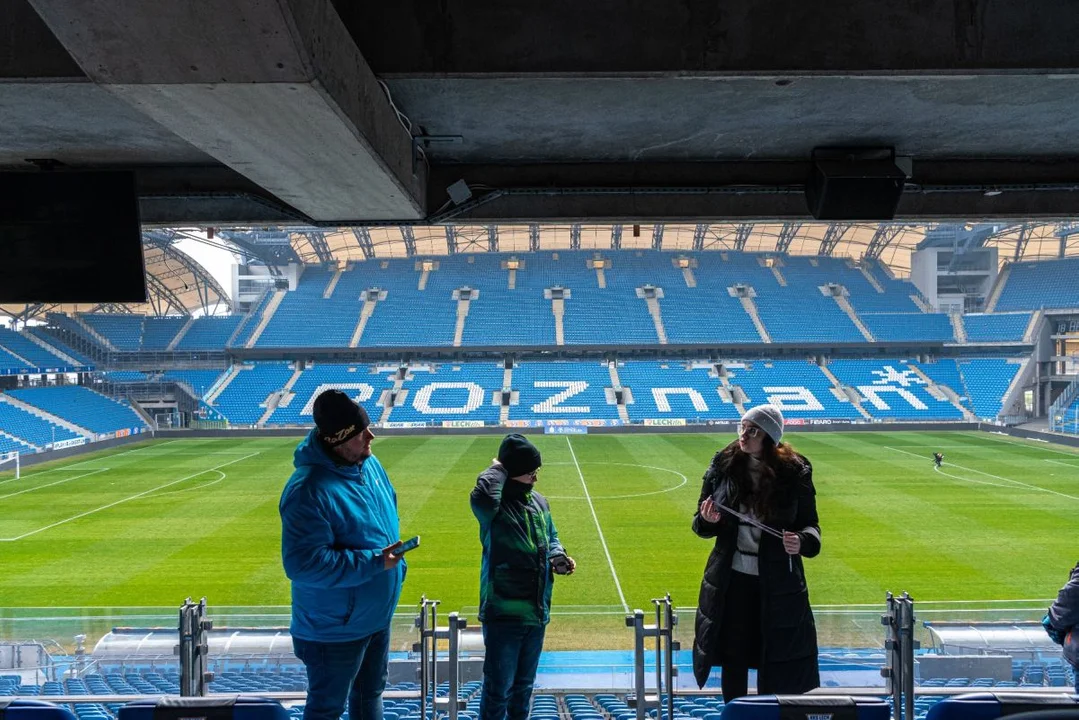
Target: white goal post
(10, 458)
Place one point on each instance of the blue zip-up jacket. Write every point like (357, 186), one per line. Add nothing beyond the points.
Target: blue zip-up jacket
(335, 520)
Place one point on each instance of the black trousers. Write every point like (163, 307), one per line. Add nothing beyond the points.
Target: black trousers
(740, 634)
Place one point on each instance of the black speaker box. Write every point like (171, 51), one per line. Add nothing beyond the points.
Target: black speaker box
(853, 186)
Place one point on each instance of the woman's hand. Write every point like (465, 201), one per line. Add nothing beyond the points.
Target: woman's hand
(708, 511)
(792, 542)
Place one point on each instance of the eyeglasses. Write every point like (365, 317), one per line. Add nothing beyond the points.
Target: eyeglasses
(749, 431)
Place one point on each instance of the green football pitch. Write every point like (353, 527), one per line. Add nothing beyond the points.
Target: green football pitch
(150, 524)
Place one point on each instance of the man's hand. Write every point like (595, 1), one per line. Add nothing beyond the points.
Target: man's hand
(563, 564)
(389, 560)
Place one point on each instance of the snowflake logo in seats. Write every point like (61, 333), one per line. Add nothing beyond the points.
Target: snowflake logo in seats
(890, 376)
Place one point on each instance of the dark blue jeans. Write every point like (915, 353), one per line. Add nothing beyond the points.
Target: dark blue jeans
(354, 671)
(509, 669)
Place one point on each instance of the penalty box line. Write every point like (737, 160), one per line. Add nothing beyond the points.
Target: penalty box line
(127, 499)
(602, 540)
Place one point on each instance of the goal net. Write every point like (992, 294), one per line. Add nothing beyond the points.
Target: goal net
(10, 461)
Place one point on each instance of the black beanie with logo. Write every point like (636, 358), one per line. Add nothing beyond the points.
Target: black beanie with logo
(338, 418)
(518, 455)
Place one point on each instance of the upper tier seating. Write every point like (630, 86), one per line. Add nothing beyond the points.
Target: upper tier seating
(18, 344)
(123, 331)
(1042, 284)
(209, 332)
(915, 327)
(998, 327)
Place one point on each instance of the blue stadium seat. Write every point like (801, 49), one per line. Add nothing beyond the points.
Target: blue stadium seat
(915, 327)
(209, 332)
(83, 407)
(799, 387)
(837, 707)
(457, 391)
(1041, 284)
(562, 391)
(671, 390)
(987, 380)
(998, 327)
(989, 706)
(892, 390)
(33, 710)
(18, 344)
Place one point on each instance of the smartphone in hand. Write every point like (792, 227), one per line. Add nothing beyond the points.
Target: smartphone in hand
(410, 544)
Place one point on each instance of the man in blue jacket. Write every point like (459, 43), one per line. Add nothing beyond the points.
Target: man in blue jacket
(339, 528)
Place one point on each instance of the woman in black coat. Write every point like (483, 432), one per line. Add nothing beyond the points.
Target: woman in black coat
(753, 610)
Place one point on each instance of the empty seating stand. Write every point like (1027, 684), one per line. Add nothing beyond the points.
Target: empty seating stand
(989, 706)
(784, 707)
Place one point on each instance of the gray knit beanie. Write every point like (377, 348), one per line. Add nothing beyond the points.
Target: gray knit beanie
(768, 418)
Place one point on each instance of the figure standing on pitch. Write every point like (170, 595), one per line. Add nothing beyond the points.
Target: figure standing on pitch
(754, 608)
(938, 458)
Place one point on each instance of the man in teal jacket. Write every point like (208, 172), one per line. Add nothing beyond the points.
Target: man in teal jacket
(521, 550)
(339, 528)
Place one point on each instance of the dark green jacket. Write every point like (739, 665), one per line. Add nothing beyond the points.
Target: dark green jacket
(519, 538)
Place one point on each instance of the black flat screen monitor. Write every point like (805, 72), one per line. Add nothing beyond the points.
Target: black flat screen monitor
(70, 237)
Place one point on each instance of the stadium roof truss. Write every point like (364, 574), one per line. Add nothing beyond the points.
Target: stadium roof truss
(889, 243)
(176, 284)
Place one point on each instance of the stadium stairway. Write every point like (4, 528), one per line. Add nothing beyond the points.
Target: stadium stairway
(558, 309)
(737, 395)
(751, 310)
(94, 334)
(18, 357)
(616, 382)
(507, 383)
(180, 335)
(366, 312)
(462, 316)
(657, 319)
(332, 284)
(958, 327)
(48, 417)
(395, 392)
(849, 393)
(942, 391)
(1032, 326)
(37, 340)
(222, 383)
(267, 315)
(998, 288)
(871, 279)
(845, 306)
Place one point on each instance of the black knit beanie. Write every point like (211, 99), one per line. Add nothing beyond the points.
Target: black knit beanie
(338, 418)
(518, 455)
